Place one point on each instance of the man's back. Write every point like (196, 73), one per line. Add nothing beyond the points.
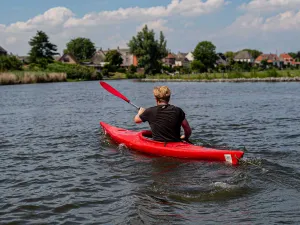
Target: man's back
(165, 122)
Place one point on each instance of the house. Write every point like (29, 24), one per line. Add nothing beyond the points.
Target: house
(56, 57)
(169, 60)
(190, 56)
(286, 59)
(128, 58)
(68, 58)
(270, 58)
(221, 60)
(243, 56)
(99, 58)
(181, 60)
(3, 51)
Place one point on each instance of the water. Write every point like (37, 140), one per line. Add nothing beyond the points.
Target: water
(57, 167)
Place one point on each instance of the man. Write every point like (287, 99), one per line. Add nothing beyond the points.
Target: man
(164, 119)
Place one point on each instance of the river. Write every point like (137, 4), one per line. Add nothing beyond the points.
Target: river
(57, 167)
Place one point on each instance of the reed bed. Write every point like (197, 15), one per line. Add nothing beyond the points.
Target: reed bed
(22, 77)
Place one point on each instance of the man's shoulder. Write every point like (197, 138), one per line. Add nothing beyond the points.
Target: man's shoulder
(176, 107)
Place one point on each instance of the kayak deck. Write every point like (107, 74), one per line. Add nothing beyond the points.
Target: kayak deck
(138, 141)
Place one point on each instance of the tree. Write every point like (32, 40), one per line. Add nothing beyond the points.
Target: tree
(293, 55)
(82, 48)
(41, 48)
(114, 58)
(148, 50)
(205, 52)
(264, 63)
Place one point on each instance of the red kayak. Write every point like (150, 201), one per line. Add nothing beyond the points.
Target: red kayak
(140, 141)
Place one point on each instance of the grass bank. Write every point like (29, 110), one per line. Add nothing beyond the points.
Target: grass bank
(264, 75)
(27, 77)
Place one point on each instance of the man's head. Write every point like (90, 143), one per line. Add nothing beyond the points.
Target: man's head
(162, 94)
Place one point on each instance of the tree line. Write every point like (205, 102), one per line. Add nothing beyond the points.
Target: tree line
(149, 51)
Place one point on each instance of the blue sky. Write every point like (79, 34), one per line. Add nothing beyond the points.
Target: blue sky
(230, 25)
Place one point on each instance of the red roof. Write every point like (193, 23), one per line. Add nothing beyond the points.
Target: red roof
(170, 56)
(285, 56)
(268, 57)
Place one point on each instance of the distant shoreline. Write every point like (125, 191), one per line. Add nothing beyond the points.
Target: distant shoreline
(233, 80)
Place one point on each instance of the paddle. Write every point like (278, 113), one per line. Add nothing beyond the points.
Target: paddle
(116, 93)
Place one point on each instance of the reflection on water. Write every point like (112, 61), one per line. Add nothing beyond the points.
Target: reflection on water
(57, 166)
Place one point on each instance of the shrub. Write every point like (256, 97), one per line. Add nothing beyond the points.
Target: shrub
(73, 71)
(135, 76)
(132, 69)
(10, 63)
(121, 70)
(272, 73)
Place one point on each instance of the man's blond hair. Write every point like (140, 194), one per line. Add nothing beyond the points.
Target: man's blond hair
(162, 93)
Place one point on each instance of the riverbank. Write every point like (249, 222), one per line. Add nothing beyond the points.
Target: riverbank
(24, 77)
(270, 79)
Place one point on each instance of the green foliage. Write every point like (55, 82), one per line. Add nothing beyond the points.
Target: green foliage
(132, 69)
(272, 73)
(264, 63)
(198, 66)
(82, 48)
(135, 76)
(110, 68)
(121, 70)
(235, 74)
(114, 58)
(293, 55)
(74, 71)
(148, 50)
(8, 62)
(42, 51)
(205, 52)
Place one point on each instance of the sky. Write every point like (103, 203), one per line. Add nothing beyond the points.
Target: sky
(271, 26)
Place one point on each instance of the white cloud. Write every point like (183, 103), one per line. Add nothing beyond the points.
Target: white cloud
(157, 26)
(176, 7)
(270, 5)
(11, 40)
(61, 24)
(252, 24)
(53, 17)
(289, 20)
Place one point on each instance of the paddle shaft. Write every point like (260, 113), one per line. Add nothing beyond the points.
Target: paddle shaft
(134, 105)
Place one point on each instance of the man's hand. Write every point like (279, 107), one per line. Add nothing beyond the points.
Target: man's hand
(137, 118)
(182, 137)
(141, 110)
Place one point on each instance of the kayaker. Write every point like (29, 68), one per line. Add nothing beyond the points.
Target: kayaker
(164, 119)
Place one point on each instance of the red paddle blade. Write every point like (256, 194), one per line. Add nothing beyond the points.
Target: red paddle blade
(113, 91)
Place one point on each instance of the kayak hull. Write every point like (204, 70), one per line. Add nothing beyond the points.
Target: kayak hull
(138, 141)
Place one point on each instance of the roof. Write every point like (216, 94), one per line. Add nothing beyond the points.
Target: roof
(285, 56)
(99, 57)
(268, 57)
(70, 55)
(2, 50)
(170, 56)
(243, 55)
(181, 56)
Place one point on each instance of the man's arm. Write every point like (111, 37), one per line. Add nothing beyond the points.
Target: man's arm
(187, 130)
(137, 118)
